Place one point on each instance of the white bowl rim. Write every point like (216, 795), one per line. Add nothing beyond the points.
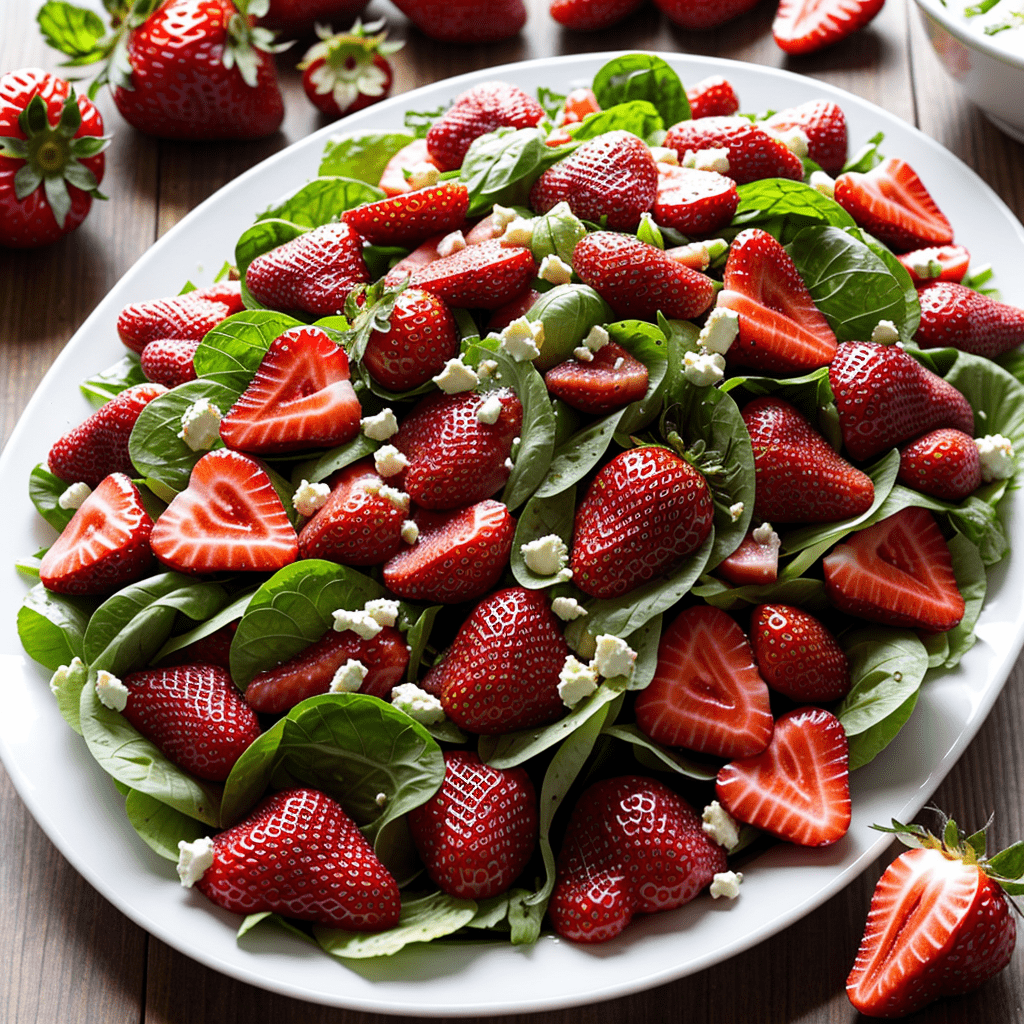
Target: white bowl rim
(973, 40)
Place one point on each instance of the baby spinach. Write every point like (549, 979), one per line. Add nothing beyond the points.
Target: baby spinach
(556, 233)
(101, 387)
(802, 591)
(229, 613)
(418, 623)
(161, 827)
(66, 686)
(651, 345)
(263, 236)
(578, 455)
(541, 517)
(784, 208)
(45, 490)
(325, 465)
(362, 155)
(642, 76)
(972, 582)
(653, 755)
(568, 312)
(640, 117)
(321, 201)
(996, 396)
(866, 746)
(231, 353)
(52, 626)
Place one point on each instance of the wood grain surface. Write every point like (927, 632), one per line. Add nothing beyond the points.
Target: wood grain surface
(66, 954)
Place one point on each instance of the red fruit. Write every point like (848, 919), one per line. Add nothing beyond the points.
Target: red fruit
(476, 833)
(692, 201)
(465, 21)
(781, 329)
(943, 463)
(483, 276)
(106, 544)
(455, 459)
(699, 15)
(799, 788)
(98, 446)
(299, 854)
(952, 314)
(168, 361)
(385, 656)
(803, 26)
(892, 204)
(581, 102)
(898, 571)
(631, 847)
(458, 556)
(591, 15)
(412, 158)
(410, 218)
(937, 263)
(611, 379)
(707, 694)
(293, 18)
(229, 519)
(358, 525)
(824, 125)
(644, 512)
(796, 654)
(501, 671)
(300, 397)
(186, 317)
(713, 96)
(752, 562)
(312, 273)
(213, 649)
(194, 714)
(512, 310)
(420, 256)
(885, 397)
(800, 478)
(479, 110)
(56, 171)
(612, 176)
(639, 280)
(753, 153)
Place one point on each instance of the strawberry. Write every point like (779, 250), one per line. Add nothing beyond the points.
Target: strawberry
(479, 110)
(799, 787)
(424, 253)
(703, 14)
(884, 397)
(229, 519)
(632, 846)
(476, 833)
(194, 714)
(939, 925)
(481, 276)
(943, 463)
(898, 571)
(800, 478)
(707, 694)
(713, 96)
(612, 176)
(824, 126)
(413, 158)
(385, 657)
(410, 218)
(358, 525)
(952, 314)
(312, 273)
(936, 263)
(213, 649)
(803, 26)
(190, 316)
(51, 158)
(501, 671)
(300, 397)
(753, 152)
(458, 555)
(169, 361)
(580, 102)
(797, 655)
(892, 203)
(98, 446)
(694, 202)
(455, 459)
(780, 329)
(292, 18)
(106, 544)
(591, 15)
(465, 21)
(512, 310)
(639, 280)
(299, 854)
(611, 379)
(644, 512)
(752, 562)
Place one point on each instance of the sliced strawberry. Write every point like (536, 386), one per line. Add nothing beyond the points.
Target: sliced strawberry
(300, 397)
(781, 329)
(937, 263)
(168, 361)
(892, 203)
(580, 103)
(229, 519)
(707, 694)
(823, 124)
(952, 314)
(458, 555)
(189, 316)
(713, 96)
(409, 160)
(694, 202)
(943, 463)
(482, 276)
(106, 544)
(799, 788)
(423, 254)
(611, 379)
(410, 218)
(591, 15)
(803, 26)
(512, 310)
(753, 562)
(898, 571)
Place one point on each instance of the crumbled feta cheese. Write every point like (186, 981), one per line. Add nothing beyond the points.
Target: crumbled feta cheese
(997, 457)
(735, 511)
(389, 461)
(380, 799)
(452, 242)
(397, 498)
(583, 354)
(719, 331)
(664, 155)
(720, 825)
(596, 339)
(823, 183)
(794, 139)
(383, 610)
(62, 676)
(194, 859)
(522, 339)
(361, 622)
(545, 556)
(509, 465)
(349, 677)
(555, 270)
(707, 160)
(200, 425)
(380, 427)
(568, 608)
(766, 536)
(310, 498)
(703, 368)
(111, 691)
(727, 884)
(613, 656)
(576, 681)
(618, 363)
(501, 217)
(885, 333)
(487, 368)
(489, 410)
(410, 532)
(423, 175)
(518, 232)
(417, 703)
(456, 377)
(75, 495)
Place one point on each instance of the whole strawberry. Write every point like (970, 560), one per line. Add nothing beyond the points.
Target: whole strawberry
(186, 317)
(943, 463)
(294, 18)
(465, 21)
(713, 96)
(699, 15)
(952, 314)
(823, 125)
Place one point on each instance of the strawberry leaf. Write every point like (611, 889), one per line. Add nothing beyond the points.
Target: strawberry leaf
(75, 31)
(1008, 863)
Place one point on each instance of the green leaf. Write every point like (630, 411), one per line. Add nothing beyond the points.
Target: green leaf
(109, 383)
(556, 233)
(568, 312)
(578, 455)
(75, 31)
(808, 594)
(45, 490)
(642, 76)
(1008, 863)
(362, 155)
(320, 468)
(637, 116)
(867, 157)
(540, 518)
(321, 201)
(867, 745)
(52, 626)
(659, 757)
(263, 236)
(66, 687)
(229, 613)
(231, 353)
(972, 582)
(417, 638)
(419, 122)
(996, 396)
(784, 208)
(161, 827)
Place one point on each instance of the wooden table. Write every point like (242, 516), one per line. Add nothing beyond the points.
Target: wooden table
(67, 954)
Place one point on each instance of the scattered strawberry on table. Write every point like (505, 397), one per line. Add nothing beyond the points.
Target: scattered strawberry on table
(562, 456)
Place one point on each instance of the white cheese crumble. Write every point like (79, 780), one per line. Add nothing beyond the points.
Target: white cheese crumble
(576, 681)
(200, 425)
(823, 183)
(613, 656)
(568, 608)
(487, 368)
(719, 331)
(664, 155)
(727, 884)
(501, 217)
(619, 363)
(309, 498)
(417, 703)
(735, 511)
(885, 333)
(410, 532)
(423, 175)
(380, 799)
(519, 232)
(380, 427)
(522, 339)
(382, 610)
(361, 622)
(596, 339)
(349, 677)
(389, 461)
(75, 495)
(554, 270)
(489, 410)
(111, 691)
(720, 825)
(766, 536)
(454, 241)
(62, 676)
(456, 377)
(794, 139)
(546, 555)
(398, 498)
(194, 859)
(509, 465)
(997, 457)
(703, 368)
(583, 354)
(707, 159)
(691, 253)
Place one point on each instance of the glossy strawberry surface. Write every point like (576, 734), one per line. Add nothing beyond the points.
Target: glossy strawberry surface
(753, 152)
(952, 314)
(943, 463)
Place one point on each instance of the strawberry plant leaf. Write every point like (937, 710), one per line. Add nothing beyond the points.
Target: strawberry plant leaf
(568, 312)
(263, 236)
(1008, 863)
(540, 518)
(161, 827)
(45, 490)
(75, 31)
(321, 201)
(52, 626)
(101, 387)
(361, 155)
(642, 76)
(231, 353)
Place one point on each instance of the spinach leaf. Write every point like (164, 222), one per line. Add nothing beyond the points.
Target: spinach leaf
(810, 392)
(51, 626)
(578, 455)
(321, 201)
(45, 490)
(867, 157)
(556, 233)
(417, 637)
(637, 116)
(231, 353)
(996, 396)
(101, 387)
(653, 755)
(161, 827)
(567, 311)
(66, 686)
(866, 746)
(651, 345)
(801, 591)
(263, 236)
(551, 101)
(541, 517)
(784, 208)
(972, 582)
(362, 155)
(229, 613)
(912, 317)
(642, 76)
(323, 466)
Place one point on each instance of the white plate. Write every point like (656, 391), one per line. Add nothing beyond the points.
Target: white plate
(78, 807)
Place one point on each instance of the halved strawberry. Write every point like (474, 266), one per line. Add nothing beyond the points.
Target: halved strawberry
(229, 519)
(799, 788)
(713, 96)
(580, 103)
(424, 253)
(936, 263)
(212, 649)
(512, 310)
(823, 124)
(803, 26)
(413, 159)
(410, 218)
(943, 463)
(611, 379)
(591, 15)
(781, 329)
(168, 361)
(106, 544)
(300, 397)
(753, 562)
(189, 316)
(692, 201)
(892, 203)
(707, 694)
(952, 314)
(482, 276)
(898, 571)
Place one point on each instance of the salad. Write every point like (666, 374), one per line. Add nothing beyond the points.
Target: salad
(687, 397)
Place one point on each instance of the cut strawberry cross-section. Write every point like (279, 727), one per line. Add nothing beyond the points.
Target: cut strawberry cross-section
(608, 380)
(693, 201)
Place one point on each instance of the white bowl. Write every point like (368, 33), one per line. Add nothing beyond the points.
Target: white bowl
(988, 72)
